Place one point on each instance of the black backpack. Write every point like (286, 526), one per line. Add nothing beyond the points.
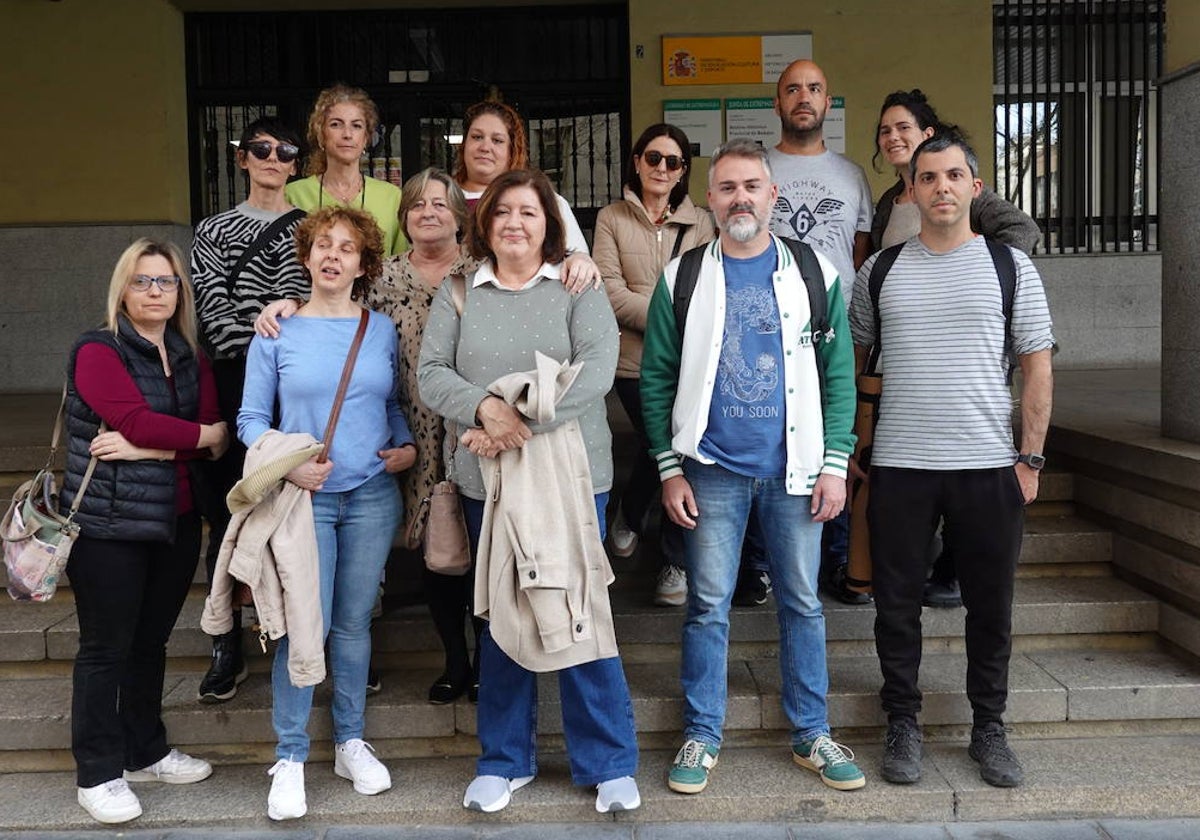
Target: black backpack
(1006, 271)
(810, 270)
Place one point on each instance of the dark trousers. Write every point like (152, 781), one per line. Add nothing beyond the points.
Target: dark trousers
(643, 484)
(220, 475)
(127, 597)
(984, 517)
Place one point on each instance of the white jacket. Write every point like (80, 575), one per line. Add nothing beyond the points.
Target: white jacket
(271, 546)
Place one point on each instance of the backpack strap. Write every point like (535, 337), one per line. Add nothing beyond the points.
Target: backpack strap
(1006, 273)
(818, 300)
(879, 271)
(685, 284)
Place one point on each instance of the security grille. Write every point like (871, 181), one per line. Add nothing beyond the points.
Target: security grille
(565, 69)
(1077, 119)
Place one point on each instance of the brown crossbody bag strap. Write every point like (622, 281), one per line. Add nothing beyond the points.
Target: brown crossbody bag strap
(336, 411)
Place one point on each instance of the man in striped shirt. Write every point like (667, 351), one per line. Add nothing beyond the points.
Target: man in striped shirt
(944, 448)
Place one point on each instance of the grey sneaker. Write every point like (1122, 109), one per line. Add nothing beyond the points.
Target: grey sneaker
(622, 538)
(998, 764)
(902, 748)
(671, 589)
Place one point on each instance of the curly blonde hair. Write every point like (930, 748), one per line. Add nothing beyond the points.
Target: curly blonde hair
(326, 99)
(366, 230)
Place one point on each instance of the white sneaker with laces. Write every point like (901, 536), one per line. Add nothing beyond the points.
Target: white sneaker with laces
(617, 795)
(110, 802)
(671, 589)
(624, 540)
(286, 800)
(174, 768)
(492, 793)
(355, 760)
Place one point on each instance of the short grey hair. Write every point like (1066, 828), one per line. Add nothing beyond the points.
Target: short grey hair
(742, 147)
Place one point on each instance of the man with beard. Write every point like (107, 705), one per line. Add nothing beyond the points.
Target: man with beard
(732, 400)
(824, 201)
(944, 448)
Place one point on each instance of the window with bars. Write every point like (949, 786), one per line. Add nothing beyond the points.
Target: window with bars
(1077, 119)
(565, 69)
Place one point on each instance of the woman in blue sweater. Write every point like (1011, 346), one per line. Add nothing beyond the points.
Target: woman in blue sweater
(356, 505)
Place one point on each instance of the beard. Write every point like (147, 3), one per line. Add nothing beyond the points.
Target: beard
(790, 129)
(742, 228)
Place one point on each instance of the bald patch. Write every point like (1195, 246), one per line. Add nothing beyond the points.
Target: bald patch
(800, 69)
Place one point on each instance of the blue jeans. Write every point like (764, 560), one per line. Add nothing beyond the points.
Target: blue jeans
(793, 542)
(596, 708)
(354, 535)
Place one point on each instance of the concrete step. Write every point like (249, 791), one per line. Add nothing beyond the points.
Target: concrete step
(1066, 778)
(1043, 606)
(1074, 688)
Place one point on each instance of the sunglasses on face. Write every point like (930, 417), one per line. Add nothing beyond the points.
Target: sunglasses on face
(166, 282)
(261, 149)
(654, 158)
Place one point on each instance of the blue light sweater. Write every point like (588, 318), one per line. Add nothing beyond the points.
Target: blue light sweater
(303, 367)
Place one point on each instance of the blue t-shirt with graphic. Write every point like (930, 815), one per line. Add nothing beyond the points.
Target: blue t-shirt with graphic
(746, 416)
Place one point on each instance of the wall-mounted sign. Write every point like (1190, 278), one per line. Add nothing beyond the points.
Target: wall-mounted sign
(730, 59)
(835, 126)
(754, 118)
(700, 120)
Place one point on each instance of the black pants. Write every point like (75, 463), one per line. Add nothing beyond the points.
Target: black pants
(128, 595)
(220, 475)
(643, 484)
(984, 519)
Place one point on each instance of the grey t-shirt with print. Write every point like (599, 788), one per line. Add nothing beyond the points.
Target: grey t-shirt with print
(823, 200)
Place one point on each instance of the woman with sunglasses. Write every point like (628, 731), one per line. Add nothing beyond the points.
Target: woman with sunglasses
(241, 260)
(140, 399)
(341, 128)
(635, 237)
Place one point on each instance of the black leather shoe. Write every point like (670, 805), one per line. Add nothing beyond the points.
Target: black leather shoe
(227, 671)
(447, 689)
(942, 594)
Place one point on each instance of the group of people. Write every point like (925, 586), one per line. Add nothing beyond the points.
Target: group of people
(338, 332)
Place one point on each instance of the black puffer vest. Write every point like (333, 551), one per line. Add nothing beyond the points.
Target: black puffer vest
(129, 500)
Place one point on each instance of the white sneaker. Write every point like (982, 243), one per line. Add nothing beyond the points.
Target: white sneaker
(110, 802)
(286, 800)
(617, 795)
(671, 589)
(492, 793)
(355, 760)
(174, 768)
(624, 540)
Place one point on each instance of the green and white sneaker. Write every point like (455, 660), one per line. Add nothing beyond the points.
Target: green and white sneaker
(689, 771)
(831, 761)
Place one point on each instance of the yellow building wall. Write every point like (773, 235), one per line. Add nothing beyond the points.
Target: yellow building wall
(1183, 35)
(867, 49)
(95, 97)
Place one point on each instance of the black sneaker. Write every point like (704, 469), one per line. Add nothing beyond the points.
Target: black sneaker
(998, 764)
(752, 588)
(902, 749)
(942, 594)
(374, 683)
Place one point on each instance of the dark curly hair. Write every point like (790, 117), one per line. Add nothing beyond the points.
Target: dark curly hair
(915, 103)
(370, 242)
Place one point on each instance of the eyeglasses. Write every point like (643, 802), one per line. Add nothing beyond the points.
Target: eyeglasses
(261, 149)
(654, 158)
(166, 282)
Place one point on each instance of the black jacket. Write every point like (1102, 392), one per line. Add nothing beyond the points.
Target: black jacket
(129, 500)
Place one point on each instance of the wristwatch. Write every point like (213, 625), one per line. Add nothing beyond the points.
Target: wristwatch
(1033, 460)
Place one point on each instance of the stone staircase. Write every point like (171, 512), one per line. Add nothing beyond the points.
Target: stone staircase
(1088, 666)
